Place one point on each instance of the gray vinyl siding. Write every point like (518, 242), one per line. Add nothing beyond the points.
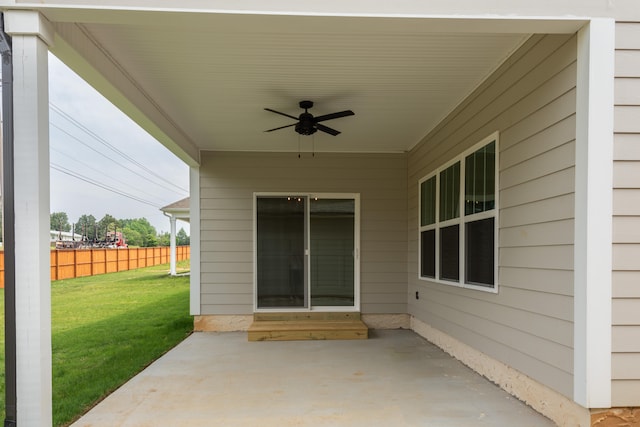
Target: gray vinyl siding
(528, 324)
(626, 219)
(228, 181)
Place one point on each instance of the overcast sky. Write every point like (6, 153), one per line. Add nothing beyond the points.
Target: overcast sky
(93, 141)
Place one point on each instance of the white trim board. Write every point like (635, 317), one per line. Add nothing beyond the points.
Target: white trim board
(194, 223)
(593, 214)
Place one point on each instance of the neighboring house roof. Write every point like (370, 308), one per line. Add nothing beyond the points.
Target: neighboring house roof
(179, 209)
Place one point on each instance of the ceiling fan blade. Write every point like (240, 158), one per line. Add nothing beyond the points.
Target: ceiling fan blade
(333, 116)
(281, 127)
(327, 129)
(282, 114)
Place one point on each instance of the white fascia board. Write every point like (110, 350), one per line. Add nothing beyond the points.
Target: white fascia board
(593, 214)
(466, 16)
(178, 213)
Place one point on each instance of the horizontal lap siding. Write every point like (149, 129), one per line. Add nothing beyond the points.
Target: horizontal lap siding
(228, 181)
(626, 219)
(528, 325)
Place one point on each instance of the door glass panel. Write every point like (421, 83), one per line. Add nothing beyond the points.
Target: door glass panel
(280, 252)
(332, 244)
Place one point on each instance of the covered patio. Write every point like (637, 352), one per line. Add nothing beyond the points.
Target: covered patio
(395, 378)
(470, 182)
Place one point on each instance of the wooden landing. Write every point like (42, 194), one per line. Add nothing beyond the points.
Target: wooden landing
(307, 326)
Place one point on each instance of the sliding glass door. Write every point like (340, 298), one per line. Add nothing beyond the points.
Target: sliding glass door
(281, 243)
(332, 241)
(306, 252)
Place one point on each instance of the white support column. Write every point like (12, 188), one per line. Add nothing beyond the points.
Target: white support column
(172, 253)
(194, 221)
(31, 36)
(593, 214)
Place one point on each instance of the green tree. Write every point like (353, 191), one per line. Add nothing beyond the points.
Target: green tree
(141, 225)
(106, 224)
(132, 237)
(182, 238)
(150, 241)
(86, 226)
(60, 221)
(145, 230)
(164, 239)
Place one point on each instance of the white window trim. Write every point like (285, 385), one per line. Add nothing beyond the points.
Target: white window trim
(461, 220)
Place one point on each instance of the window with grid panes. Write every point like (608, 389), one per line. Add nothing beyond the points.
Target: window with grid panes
(458, 219)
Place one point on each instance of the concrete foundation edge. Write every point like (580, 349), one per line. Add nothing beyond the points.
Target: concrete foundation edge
(387, 321)
(615, 417)
(553, 405)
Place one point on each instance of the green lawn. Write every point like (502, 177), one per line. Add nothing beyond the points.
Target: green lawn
(107, 328)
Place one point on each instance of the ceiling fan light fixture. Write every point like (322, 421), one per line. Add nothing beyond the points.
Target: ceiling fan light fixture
(308, 124)
(306, 131)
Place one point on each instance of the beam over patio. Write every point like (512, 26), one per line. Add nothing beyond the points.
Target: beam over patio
(396, 378)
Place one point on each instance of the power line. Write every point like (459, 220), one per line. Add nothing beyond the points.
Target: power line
(110, 160)
(110, 176)
(111, 147)
(101, 185)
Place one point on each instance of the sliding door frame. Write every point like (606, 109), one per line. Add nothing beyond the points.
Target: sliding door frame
(356, 253)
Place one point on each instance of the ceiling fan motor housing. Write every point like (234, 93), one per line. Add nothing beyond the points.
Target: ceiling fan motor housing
(306, 125)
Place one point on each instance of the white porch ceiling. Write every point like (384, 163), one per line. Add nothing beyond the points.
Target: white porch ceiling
(215, 82)
(201, 81)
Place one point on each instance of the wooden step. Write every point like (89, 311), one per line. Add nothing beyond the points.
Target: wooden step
(304, 328)
(306, 315)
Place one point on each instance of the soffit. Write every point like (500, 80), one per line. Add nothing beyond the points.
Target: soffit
(213, 74)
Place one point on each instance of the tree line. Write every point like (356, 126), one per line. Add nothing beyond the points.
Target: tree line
(137, 231)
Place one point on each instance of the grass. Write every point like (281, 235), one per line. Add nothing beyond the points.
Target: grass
(107, 328)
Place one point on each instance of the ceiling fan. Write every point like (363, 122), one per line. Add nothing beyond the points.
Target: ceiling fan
(307, 124)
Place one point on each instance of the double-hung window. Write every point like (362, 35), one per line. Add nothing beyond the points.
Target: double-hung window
(458, 219)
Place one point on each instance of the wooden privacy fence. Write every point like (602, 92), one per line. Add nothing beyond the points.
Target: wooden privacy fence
(70, 263)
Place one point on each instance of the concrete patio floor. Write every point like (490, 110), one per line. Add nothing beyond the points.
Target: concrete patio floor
(395, 378)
